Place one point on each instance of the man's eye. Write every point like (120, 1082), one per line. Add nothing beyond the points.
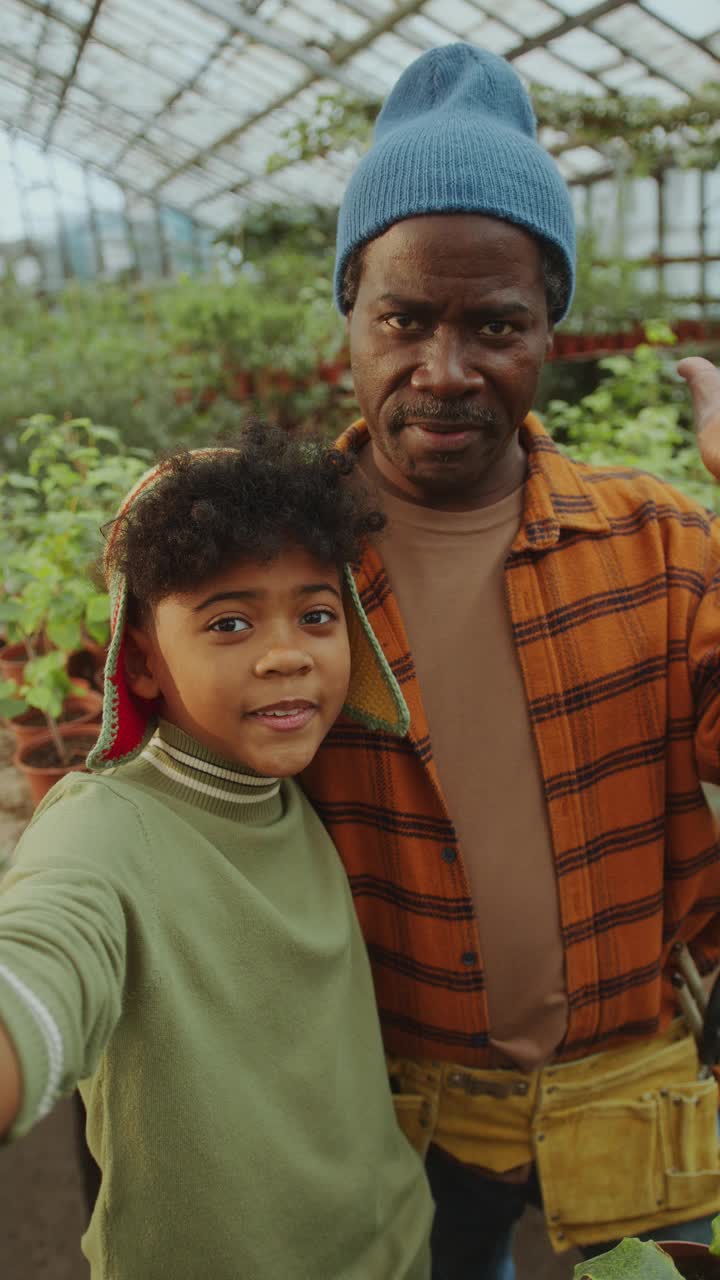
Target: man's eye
(229, 625)
(317, 617)
(497, 328)
(403, 322)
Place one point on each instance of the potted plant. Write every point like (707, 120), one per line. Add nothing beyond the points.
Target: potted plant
(635, 1259)
(51, 602)
(22, 707)
(55, 722)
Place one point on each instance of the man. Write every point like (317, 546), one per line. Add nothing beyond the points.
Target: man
(525, 858)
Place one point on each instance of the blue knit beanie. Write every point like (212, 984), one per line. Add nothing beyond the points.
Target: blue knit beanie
(456, 135)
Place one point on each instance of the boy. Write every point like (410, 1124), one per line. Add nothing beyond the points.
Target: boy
(177, 933)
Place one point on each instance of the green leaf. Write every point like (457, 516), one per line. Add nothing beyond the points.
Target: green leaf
(11, 707)
(632, 1259)
(46, 699)
(715, 1242)
(98, 608)
(65, 634)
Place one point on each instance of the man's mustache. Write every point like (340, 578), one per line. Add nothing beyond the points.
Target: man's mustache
(462, 412)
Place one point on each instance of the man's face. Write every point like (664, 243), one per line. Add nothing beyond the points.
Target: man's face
(447, 337)
(254, 664)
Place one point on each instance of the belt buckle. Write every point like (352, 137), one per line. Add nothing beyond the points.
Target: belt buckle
(493, 1088)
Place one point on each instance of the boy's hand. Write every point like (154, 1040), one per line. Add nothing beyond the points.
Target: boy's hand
(10, 1082)
(703, 379)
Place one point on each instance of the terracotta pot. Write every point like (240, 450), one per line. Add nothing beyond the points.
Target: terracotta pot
(13, 658)
(271, 382)
(333, 371)
(692, 1260)
(43, 774)
(239, 385)
(82, 708)
(81, 665)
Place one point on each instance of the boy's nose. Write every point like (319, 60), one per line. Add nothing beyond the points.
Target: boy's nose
(283, 661)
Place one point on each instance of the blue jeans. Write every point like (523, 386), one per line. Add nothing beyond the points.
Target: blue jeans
(475, 1218)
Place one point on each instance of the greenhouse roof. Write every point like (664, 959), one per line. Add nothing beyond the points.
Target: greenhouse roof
(186, 101)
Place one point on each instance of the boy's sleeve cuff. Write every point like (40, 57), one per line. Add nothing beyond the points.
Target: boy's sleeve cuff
(38, 1043)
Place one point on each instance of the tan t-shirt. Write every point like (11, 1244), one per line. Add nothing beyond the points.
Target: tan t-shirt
(446, 570)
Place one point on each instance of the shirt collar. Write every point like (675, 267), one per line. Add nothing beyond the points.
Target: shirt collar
(556, 494)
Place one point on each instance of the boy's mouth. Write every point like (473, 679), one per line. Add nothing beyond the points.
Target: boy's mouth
(290, 713)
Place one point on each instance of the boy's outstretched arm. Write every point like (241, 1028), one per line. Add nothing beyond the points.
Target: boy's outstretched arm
(10, 1086)
(78, 873)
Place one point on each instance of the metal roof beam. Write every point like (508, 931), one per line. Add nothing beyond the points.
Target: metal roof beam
(566, 62)
(44, 73)
(35, 59)
(318, 68)
(625, 51)
(236, 188)
(86, 34)
(141, 134)
(683, 35)
(562, 28)
(96, 168)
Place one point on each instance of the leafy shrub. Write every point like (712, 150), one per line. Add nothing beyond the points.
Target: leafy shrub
(640, 416)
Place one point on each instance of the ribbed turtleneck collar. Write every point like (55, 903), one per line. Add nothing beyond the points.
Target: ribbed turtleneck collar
(184, 768)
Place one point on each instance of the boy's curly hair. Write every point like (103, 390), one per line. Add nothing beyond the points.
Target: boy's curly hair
(259, 494)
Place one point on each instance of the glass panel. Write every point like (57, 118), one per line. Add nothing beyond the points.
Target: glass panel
(529, 16)
(494, 36)
(712, 212)
(695, 17)
(682, 212)
(712, 280)
(603, 217)
(542, 66)
(585, 50)
(455, 14)
(641, 217)
(424, 32)
(682, 280)
(144, 223)
(583, 160)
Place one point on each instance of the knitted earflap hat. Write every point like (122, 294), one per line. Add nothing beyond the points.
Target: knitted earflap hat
(456, 135)
(128, 722)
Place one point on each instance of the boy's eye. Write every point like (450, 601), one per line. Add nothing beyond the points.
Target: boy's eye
(316, 617)
(229, 625)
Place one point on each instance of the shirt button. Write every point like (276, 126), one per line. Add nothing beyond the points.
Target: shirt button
(469, 957)
(448, 854)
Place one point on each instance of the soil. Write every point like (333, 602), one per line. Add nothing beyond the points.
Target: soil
(31, 719)
(699, 1269)
(46, 757)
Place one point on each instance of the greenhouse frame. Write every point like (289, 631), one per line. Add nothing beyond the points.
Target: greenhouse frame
(133, 134)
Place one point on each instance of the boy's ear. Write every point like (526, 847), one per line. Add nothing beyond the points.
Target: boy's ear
(139, 663)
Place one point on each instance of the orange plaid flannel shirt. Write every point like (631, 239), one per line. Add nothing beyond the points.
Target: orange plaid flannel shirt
(613, 585)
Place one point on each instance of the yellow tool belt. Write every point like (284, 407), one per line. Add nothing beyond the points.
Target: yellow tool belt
(624, 1141)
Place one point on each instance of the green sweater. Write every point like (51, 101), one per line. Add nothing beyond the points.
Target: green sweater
(181, 938)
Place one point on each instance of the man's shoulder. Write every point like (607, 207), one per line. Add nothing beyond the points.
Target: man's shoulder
(620, 491)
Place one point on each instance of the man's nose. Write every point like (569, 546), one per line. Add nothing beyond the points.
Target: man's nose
(283, 660)
(445, 368)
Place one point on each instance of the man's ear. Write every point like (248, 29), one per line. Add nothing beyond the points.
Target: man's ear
(139, 665)
(549, 341)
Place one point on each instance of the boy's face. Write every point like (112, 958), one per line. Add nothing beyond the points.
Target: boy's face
(254, 665)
